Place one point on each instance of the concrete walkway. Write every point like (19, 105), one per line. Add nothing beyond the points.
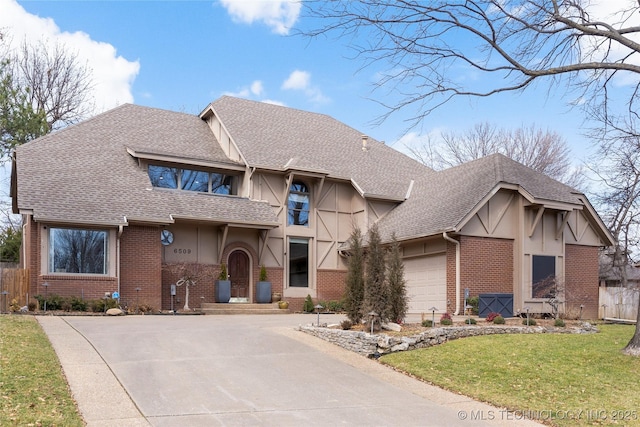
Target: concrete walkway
(241, 370)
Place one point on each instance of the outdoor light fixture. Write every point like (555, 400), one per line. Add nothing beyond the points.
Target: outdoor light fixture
(4, 295)
(433, 316)
(527, 308)
(318, 308)
(46, 294)
(604, 310)
(372, 315)
(581, 307)
(468, 308)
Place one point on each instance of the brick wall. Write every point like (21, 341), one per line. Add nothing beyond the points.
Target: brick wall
(581, 280)
(331, 284)
(141, 266)
(486, 266)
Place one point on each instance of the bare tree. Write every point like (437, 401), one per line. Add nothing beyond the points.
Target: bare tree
(54, 82)
(19, 122)
(619, 174)
(428, 47)
(545, 151)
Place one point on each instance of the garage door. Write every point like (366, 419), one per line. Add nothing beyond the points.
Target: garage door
(426, 283)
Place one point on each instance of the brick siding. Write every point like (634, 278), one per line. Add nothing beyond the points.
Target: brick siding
(581, 280)
(486, 266)
(140, 266)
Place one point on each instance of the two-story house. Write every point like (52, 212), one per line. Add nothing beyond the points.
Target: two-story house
(112, 203)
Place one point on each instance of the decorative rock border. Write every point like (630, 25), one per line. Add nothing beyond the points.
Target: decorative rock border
(373, 346)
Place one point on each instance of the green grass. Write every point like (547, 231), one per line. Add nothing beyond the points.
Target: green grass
(560, 373)
(33, 390)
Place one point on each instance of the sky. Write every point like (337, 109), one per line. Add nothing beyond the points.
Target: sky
(182, 55)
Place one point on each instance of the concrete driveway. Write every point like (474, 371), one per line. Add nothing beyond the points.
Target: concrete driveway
(240, 371)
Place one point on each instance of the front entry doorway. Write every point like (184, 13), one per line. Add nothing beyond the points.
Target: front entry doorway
(239, 275)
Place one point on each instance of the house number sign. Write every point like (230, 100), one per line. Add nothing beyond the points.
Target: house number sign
(181, 251)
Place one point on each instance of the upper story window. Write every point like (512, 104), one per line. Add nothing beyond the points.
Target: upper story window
(298, 204)
(73, 250)
(191, 180)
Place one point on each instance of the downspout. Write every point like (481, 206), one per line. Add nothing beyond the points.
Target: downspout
(120, 231)
(455, 242)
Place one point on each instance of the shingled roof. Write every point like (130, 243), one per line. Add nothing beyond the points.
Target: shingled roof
(86, 174)
(442, 200)
(280, 138)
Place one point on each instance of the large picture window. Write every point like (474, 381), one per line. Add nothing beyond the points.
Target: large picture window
(191, 180)
(298, 204)
(299, 263)
(543, 276)
(73, 250)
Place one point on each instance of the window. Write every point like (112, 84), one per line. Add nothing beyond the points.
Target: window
(191, 180)
(298, 204)
(299, 263)
(543, 277)
(163, 177)
(77, 251)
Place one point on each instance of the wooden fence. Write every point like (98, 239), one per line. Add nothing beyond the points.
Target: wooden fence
(619, 303)
(14, 284)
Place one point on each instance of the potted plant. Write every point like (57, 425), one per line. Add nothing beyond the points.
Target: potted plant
(263, 287)
(223, 285)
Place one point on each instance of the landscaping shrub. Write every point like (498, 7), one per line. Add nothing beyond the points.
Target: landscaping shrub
(491, 316)
(346, 324)
(532, 322)
(33, 305)
(145, 308)
(498, 320)
(470, 321)
(308, 304)
(445, 319)
(333, 306)
(98, 305)
(65, 305)
(559, 323)
(54, 302)
(78, 304)
(474, 302)
(427, 323)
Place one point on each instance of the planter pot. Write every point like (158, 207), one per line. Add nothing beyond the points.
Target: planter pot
(283, 305)
(276, 296)
(263, 292)
(223, 291)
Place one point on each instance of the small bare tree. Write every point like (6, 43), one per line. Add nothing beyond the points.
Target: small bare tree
(188, 275)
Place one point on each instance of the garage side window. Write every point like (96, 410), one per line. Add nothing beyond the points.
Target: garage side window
(543, 276)
(299, 263)
(73, 250)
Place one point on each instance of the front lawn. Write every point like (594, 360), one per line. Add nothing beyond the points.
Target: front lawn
(33, 390)
(559, 379)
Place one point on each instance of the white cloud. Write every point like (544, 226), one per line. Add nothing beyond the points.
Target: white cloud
(279, 15)
(112, 75)
(255, 88)
(297, 80)
(301, 80)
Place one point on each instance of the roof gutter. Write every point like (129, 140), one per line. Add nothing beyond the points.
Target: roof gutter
(455, 242)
